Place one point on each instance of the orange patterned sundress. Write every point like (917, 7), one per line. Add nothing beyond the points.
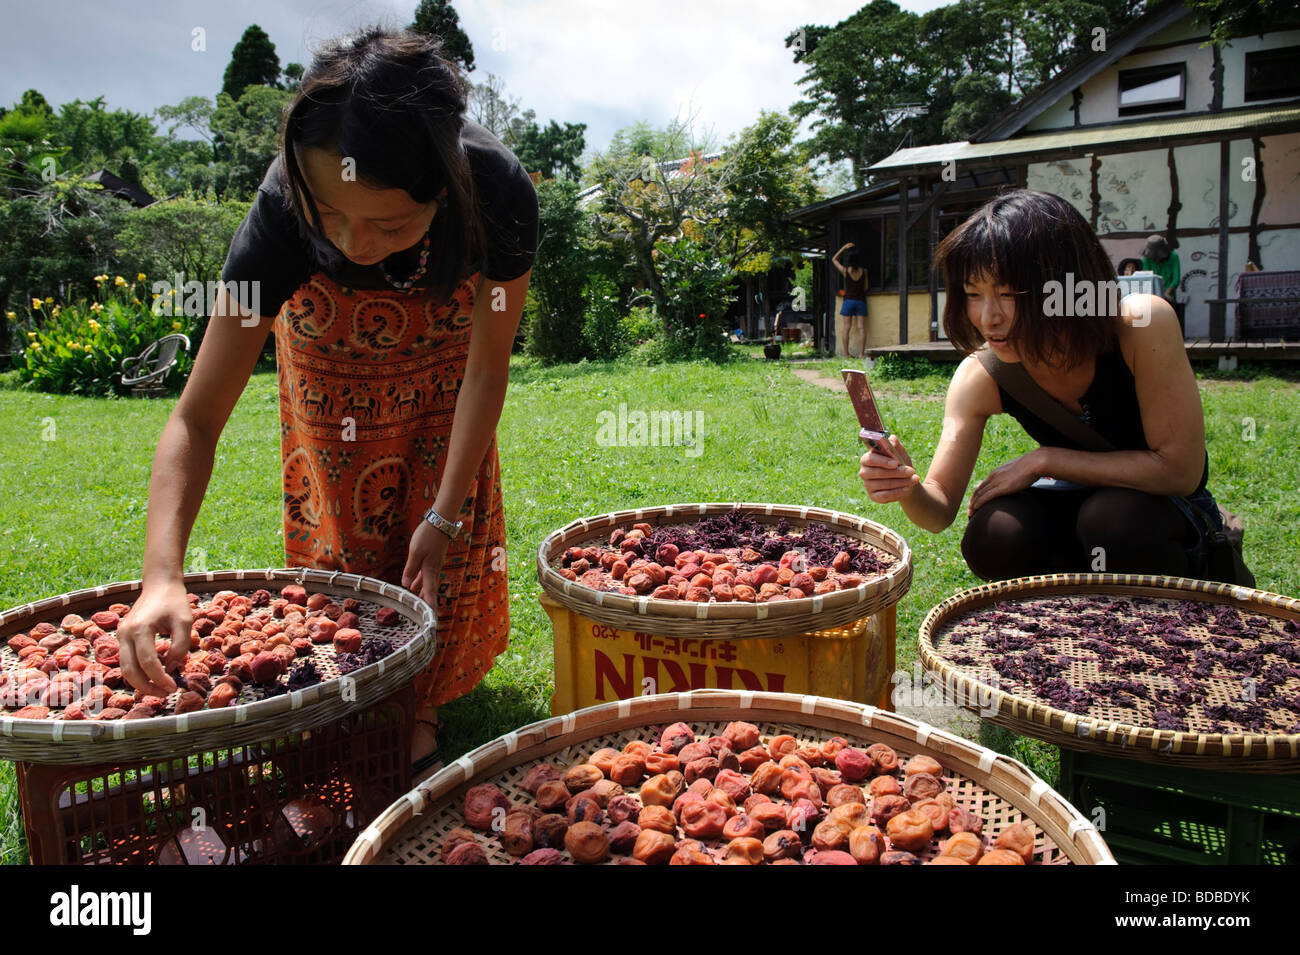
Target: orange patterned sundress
(368, 385)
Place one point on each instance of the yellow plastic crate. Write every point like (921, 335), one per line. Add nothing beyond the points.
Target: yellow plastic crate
(596, 663)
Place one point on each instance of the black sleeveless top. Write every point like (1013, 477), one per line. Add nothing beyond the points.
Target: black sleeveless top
(1111, 409)
(855, 289)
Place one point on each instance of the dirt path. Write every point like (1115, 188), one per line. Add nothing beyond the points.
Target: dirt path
(814, 377)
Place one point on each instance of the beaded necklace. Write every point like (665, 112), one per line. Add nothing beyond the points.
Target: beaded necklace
(407, 285)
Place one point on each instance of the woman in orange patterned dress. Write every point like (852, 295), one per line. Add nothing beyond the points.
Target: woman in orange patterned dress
(390, 248)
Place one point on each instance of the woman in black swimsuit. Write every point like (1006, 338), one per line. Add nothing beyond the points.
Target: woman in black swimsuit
(1126, 375)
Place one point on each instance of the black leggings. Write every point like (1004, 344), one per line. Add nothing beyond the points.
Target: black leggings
(1038, 531)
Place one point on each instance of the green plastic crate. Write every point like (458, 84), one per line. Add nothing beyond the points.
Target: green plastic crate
(1152, 814)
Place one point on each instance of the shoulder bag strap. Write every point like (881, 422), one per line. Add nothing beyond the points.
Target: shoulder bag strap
(1017, 383)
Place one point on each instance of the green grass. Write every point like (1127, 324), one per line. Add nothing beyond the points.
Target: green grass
(72, 508)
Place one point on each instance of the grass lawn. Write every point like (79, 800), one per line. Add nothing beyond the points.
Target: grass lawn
(74, 491)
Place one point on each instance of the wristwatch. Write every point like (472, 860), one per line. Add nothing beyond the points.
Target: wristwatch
(444, 525)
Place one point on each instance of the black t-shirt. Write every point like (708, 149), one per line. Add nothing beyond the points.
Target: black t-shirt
(1113, 411)
(270, 246)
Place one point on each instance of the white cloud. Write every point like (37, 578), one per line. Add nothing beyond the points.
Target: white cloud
(607, 63)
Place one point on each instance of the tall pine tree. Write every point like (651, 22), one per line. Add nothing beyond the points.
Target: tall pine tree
(439, 18)
(253, 61)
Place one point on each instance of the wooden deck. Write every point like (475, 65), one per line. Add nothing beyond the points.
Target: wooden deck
(1196, 350)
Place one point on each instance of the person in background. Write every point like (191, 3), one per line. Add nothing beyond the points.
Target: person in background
(1159, 258)
(1124, 375)
(1129, 266)
(854, 308)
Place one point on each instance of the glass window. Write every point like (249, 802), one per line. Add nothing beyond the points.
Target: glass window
(918, 254)
(1152, 90)
(1272, 73)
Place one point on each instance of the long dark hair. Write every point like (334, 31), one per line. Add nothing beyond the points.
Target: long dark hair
(1024, 239)
(388, 100)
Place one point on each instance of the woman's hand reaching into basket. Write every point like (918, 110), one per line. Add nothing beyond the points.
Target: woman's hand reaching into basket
(424, 563)
(162, 608)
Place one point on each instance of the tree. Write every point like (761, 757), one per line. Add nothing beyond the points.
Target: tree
(253, 62)
(977, 99)
(491, 107)
(662, 212)
(963, 63)
(644, 199)
(439, 18)
(555, 315)
(249, 133)
(859, 72)
(553, 151)
(292, 77)
(98, 138)
(767, 180)
(1231, 18)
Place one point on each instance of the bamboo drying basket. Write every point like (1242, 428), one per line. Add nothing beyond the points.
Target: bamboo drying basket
(735, 619)
(1103, 733)
(92, 741)
(1000, 789)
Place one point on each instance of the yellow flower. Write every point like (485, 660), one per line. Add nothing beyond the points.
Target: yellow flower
(119, 281)
(73, 346)
(36, 303)
(176, 326)
(137, 301)
(96, 307)
(94, 325)
(101, 278)
(56, 311)
(140, 277)
(36, 346)
(32, 336)
(155, 295)
(11, 315)
(49, 301)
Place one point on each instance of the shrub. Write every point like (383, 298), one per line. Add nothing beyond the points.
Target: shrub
(184, 235)
(602, 329)
(697, 289)
(78, 348)
(641, 325)
(894, 365)
(555, 306)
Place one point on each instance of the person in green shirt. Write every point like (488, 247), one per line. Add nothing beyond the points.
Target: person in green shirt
(1159, 258)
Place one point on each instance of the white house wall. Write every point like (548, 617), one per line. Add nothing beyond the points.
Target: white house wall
(1100, 102)
(1135, 193)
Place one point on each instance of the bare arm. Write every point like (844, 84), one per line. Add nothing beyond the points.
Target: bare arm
(933, 503)
(835, 259)
(1170, 405)
(182, 467)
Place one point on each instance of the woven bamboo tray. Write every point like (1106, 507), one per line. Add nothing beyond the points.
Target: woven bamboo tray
(93, 741)
(998, 788)
(1108, 730)
(736, 619)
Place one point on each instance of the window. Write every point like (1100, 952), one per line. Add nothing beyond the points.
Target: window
(1272, 73)
(1155, 89)
(918, 254)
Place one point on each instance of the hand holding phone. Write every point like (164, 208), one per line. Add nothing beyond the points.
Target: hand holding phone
(884, 481)
(874, 434)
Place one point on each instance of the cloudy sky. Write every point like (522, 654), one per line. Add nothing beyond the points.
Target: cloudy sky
(607, 63)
